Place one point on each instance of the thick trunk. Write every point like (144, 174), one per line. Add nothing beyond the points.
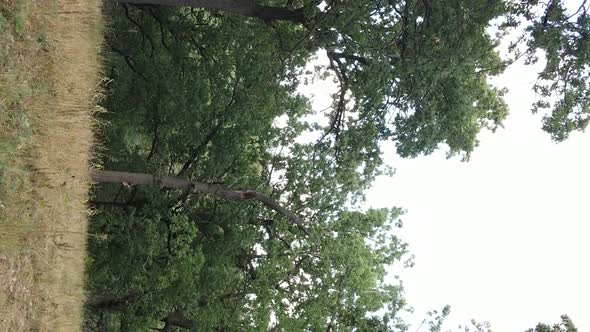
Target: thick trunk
(242, 7)
(196, 187)
(177, 318)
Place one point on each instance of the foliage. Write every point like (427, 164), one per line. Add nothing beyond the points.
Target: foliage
(192, 97)
(562, 87)
(566, 325)
(419, 72)
(425, 65)
(212, 96)
(416, 72)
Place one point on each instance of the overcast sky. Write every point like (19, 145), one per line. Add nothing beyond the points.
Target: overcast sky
(501, 238)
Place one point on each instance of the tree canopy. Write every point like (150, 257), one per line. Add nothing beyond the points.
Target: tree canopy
(566, 325)
(205, 110)
(416, 71)
(207, 92)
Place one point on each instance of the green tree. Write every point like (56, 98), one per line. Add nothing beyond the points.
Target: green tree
(210, 97)
(416, 71)
(566, 325)
(205, 111)
(406, 71)
(185, 272)
(562, 86)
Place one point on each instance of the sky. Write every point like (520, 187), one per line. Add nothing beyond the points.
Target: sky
(502, 238)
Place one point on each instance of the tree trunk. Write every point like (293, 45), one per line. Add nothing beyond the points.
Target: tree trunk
(196, 187)
(177, 318)
(242, 7)
(114, 303)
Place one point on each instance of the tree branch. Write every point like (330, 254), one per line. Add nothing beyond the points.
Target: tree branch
(197, 187)
(347, 56)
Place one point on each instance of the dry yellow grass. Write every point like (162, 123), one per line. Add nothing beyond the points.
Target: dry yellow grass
(49, 73)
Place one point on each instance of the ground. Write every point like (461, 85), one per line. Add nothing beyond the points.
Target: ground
(49, 75)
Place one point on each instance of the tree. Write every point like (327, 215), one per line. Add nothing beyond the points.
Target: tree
(167, 257)
(562, 37)
(566, 325)
(425, 64)
(330, 279)
(211, 98)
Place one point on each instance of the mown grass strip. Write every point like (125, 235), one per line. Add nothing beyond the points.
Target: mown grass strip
(49, 74)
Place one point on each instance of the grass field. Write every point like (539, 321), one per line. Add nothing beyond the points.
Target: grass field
(49, 74)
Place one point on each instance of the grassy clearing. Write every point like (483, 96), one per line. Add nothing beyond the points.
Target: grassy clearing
(49, 60)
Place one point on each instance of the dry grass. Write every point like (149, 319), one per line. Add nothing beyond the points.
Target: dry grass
(49, 72)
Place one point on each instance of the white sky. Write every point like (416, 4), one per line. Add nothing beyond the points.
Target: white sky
(503, 237)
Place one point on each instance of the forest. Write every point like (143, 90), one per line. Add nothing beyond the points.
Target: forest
(224, 202)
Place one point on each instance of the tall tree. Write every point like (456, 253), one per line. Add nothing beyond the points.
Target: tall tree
(193, 99)
(199, 270)
(211, 98)
(416, 71)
